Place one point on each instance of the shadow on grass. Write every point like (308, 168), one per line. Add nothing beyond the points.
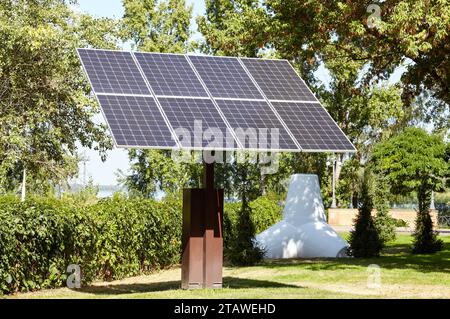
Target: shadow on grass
(395, 256)
(228, 282)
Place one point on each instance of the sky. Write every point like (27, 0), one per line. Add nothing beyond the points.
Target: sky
(105, 173)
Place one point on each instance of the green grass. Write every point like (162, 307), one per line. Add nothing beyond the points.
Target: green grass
(403, 275)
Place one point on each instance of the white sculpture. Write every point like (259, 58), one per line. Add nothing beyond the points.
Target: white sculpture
(303, 232)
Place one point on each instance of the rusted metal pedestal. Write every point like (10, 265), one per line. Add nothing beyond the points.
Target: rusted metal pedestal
(202, 259)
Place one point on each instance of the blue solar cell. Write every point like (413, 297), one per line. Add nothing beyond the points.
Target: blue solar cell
(136, 121)
(312, 127)
(278, 80)
(113, 72)
(258, 120)
(170, 74)
(225, 77)
(196, 117)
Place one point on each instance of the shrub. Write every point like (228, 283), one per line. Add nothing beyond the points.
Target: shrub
(242, 249)
(425, 238)
(364, 239)
(110, 239)
(384, 222)
(240, 227)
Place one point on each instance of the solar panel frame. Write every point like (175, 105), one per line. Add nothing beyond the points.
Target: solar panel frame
(261, 118)
(313, 127)
(215, 99)
(224, 82)
(131, 79)
(170, 75)
(190, 110)
(258, 69)
(136, 113)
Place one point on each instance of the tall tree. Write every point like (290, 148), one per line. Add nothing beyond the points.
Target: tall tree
(45, 107)
(158, 26)
(386, 35)
(415, 161)
(364, 238)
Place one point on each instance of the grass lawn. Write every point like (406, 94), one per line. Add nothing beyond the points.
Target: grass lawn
(402, 276)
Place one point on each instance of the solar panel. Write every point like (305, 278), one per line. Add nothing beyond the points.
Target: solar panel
(136, 121)
(197, 116)
(183, 87)
(313, 127)
(278, 80)
(255, 115)
(225, 77)
(113, 72)
(170, 74)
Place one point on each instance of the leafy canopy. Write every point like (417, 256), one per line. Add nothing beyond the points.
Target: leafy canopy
(45, 107)
(412, 159)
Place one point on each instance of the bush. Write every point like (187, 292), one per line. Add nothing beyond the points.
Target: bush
(110, 239)
(242, 249)
(384, 222)
(364, 239)
(425, 238)
(241, 226)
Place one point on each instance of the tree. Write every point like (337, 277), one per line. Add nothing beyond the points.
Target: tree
(415, 161)
(158, 26)
(233, 27)
(366, 114)
(45, 107)
(408, 32)
(384, 223)
(364, 239)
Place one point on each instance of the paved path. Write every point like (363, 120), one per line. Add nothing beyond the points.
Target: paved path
(401, 230)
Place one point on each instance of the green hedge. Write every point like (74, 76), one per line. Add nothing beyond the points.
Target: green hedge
(111, 239)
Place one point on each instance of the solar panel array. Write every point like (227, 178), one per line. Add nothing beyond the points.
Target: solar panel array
(155, 100)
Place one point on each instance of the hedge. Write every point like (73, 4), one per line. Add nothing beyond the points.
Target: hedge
(110, 239)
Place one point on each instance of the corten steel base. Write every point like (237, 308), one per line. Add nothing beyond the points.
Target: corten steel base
(202, 235)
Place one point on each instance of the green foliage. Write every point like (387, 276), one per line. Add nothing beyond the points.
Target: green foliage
(415, 161)
(155, 170)
(242, 248)
(425, 238)
(411, 159)
(265, 212)
(384, 222)
(44, 96)
(110, 239)
(241, 227)
(157, 26)
(364, 239)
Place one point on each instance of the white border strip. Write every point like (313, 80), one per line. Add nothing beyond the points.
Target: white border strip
(125, 94)
(238, 99)
(214, 102)
(166, 120)
(294, 101)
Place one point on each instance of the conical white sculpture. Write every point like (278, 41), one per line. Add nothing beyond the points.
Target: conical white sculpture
(303, 232)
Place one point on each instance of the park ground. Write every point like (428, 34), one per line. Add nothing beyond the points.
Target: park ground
(403, 275)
